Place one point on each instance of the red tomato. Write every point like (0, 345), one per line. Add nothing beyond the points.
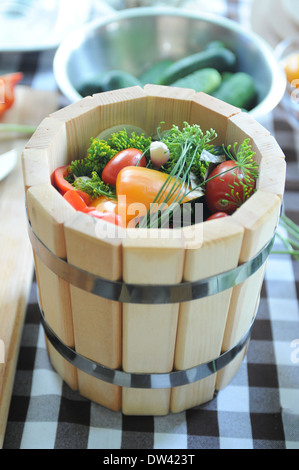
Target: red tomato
(127, 157)
(58, 180)
(7, 89)
(217, 215)
(227, 191)
(75, 199)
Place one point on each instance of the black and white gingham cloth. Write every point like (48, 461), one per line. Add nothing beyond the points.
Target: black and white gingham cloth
(259, 409)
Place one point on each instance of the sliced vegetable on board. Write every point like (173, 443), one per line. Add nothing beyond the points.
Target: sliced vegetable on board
(7, 89)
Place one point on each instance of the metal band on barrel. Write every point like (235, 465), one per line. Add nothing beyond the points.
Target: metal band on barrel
(147, 294)
(144, 380)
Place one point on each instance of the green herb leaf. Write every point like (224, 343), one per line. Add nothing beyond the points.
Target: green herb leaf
(94, 186)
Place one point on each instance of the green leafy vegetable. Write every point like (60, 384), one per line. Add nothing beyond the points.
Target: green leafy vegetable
(98, 155)
(101, 151)
(122, 140)
(188, 144)
(185, 148)
(94, 186)
(243, 158)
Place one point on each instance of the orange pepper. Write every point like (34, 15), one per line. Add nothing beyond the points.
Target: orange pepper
(137, 188)
(291, 66)
(7, 89)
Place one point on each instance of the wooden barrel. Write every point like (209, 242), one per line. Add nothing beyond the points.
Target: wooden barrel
(146, 321)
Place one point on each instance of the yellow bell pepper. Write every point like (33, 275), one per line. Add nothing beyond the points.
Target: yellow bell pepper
(137, 188)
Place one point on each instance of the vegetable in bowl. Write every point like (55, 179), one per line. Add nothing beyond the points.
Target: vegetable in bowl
(213, 70)
(120, 175)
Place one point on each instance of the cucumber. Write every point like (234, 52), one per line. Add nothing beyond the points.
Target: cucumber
(91, 86)
(107, 81)
(153, 73)
(238, 90)
(206, 80)
(221, 59)
(116, 79)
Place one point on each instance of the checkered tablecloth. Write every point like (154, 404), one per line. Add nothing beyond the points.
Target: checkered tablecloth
(258, 410)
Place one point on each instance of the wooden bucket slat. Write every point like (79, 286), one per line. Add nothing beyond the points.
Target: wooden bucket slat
(170, 105)
(97, 321)
(91, 115)
(149, 331)
(259, 217)
(215, 248)
(47, 212)
(272, 167)
(211, 113)
(51, 136)
(35, 167)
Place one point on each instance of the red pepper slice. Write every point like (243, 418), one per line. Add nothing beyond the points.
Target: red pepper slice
(7, 89)
(58, 180)
(75, 200)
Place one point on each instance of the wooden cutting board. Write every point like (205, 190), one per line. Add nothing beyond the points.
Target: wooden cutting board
(16, 259)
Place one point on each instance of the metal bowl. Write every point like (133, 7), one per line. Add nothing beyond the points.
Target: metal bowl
(134, 39)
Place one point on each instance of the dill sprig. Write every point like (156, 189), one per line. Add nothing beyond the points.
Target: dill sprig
(196, 141)
(184, 148)
(247, 174)
(98, 155)
(121, 140)
(190, 146)
(291, 240)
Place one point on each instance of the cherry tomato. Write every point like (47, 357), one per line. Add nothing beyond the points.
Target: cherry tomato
(58, 180)
(227, 191)
(217, 215)
(75, 199)
(127, 157)
(7, 89)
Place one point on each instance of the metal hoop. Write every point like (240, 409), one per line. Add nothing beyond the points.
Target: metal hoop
(148, 381)
(120, 291)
